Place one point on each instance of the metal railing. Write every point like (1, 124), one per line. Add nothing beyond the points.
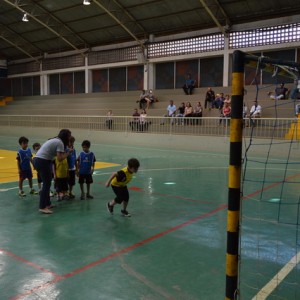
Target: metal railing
(263, 127)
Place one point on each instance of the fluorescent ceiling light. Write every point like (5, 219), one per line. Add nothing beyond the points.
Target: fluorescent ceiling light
(86, 2)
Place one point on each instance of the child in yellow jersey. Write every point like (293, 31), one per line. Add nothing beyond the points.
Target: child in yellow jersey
(118, 182)
(61, 175)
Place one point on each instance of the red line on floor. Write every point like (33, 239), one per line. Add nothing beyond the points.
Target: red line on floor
(45, 285)
(269, 186)
(125, 250)
(136, 245)
(143, 242)
(29, 263)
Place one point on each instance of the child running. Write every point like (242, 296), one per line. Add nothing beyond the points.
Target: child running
(118, 182)
(24, 159)
(85, 166)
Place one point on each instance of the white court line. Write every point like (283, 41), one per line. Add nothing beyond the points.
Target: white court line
(150, 170)
(277, 279)
(140, 171)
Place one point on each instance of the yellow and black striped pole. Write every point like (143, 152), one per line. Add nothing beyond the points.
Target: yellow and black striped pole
(234, 182)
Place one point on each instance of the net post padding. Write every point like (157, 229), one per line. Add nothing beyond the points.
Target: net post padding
(234, 182)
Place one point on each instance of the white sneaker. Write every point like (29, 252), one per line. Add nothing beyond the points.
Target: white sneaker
(46, 211)
(22, 194)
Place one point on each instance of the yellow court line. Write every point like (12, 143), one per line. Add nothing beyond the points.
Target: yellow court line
(9, 169)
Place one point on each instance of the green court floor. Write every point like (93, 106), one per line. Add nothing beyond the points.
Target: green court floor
(173, 246)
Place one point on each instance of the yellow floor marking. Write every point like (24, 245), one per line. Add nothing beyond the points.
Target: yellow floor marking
(9, 169)
(102, 165)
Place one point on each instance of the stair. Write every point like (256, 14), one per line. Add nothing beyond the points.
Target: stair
(123, 103)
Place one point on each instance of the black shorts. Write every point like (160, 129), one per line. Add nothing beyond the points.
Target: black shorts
(122, 194)
(61, 184)
(85, 178)
(25, 174)
(71, 179)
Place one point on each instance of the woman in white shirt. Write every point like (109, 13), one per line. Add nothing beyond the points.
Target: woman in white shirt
(143, 120)
(109, 119)
(255, 112)
(55, 147)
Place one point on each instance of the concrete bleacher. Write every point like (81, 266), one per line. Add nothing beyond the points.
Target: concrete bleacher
(123, 103)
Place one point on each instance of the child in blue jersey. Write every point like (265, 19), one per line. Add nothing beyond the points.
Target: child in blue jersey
(72, 167)
(85, 166)
(118, 182)
(24, 159)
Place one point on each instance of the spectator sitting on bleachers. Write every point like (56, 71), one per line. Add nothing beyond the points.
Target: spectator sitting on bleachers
(295, 95)
(144, 124)
(209, 98)
(297, 109)
(180, 113)
(255, 112)
(245, 113)
(189, 85)
(109, 121)
(280, 93)
(219, 101)
(147, 98)
(188, 112)
(134, 124)
(171, 111)
(198, 113)
(143, 99)
(227, 99)
(198, 110)
(295, 91)
(152, 98)
(225, 114)
(245, 110)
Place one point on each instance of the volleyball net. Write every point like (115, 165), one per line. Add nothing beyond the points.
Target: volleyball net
(263, 187)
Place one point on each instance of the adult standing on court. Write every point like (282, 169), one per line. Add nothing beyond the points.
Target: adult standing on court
(54, 147)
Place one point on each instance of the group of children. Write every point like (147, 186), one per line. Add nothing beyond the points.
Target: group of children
(65, 172)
